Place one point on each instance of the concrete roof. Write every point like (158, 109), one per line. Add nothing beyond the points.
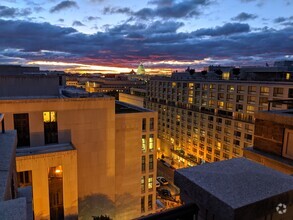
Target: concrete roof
(238, 182)
(14, 209)
(44, 149)
(122, 107)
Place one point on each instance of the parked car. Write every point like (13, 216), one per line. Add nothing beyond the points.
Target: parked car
(157, 184)
(164, 192)
(162, 180)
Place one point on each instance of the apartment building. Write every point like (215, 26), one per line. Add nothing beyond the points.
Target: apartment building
(209, 116)
(81, 156)
(273, 140)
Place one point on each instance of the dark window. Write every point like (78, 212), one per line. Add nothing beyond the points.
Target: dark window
(143, 163)
(144, 124)
(50, 127)
(151, 124)
(150, 202)
(151, 162)
(21, 125)
(142, 204)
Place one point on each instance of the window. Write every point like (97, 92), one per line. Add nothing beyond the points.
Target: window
(250, 109)
(264, 90)
(144, 124)
(251, 89)
(24, 178)
(150, 202)
(142, 184)
(50, 127)
(150, 182)
(143, 163)
(151, 142)
(226, 76)
(143, 143)
(151, 162)
(278, 91)
(21, 125)
(152, 122)
(142, 204)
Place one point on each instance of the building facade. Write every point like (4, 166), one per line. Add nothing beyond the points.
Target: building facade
(206, 117)
(83, 157)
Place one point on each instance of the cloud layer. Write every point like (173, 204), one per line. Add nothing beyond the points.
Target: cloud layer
(126, 45)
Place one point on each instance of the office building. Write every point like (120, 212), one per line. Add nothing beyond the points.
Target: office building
(209, 116)
(81, 155)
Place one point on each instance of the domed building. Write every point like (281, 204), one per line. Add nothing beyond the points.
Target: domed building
(140, 69)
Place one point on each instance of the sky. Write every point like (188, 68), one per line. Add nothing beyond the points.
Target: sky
(113, 36)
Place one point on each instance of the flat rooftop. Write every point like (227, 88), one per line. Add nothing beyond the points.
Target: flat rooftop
(44, 149)
(123, 108)
(237, 182)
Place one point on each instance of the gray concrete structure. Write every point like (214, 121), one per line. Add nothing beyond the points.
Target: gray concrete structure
(236, 189)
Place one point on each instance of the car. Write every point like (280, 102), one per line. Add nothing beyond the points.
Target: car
(164, 192)
(162, 180)
(157, 184)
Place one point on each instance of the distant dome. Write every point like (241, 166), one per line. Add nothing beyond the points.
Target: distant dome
(140, 69)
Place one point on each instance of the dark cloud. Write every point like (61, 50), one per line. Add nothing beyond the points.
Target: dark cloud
(279, 19)
(13, 12)
(61, 20)
(129, 44)
(64, 5)
(284, 20)
(164, 9)
(92, 18)
(117, 10)
(226, 29)
(77, 23)
(244, 17)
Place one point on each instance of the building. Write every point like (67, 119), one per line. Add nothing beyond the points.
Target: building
(273, 142)
(82, 155)
(236, 189)
(136, 97)
(209, 116)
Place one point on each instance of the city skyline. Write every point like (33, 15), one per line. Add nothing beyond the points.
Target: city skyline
(165, 35)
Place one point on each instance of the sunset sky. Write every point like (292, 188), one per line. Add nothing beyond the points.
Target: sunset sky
(165, 35)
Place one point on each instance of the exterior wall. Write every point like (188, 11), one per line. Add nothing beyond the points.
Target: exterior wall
(89, 124)
(128, 167)
(39, 165)
(29, 85)
(209, 120)
(131, 99)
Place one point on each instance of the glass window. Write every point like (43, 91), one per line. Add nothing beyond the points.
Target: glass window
(151, 162)
(150, 182)
(142, 183)
(151, 142)
(143, 143)
(152, 122)
(150, 202)
(49, 116)
(142, 204)
(143, 163)
(144, 124)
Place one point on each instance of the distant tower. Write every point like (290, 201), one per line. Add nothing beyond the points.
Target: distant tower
(140, 69)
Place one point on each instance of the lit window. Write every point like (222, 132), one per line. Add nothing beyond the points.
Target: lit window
(226, 76)
(143, 143)
(288, 76)
(142, 183)
(49, 116)
(151, 142)
(150, 182)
